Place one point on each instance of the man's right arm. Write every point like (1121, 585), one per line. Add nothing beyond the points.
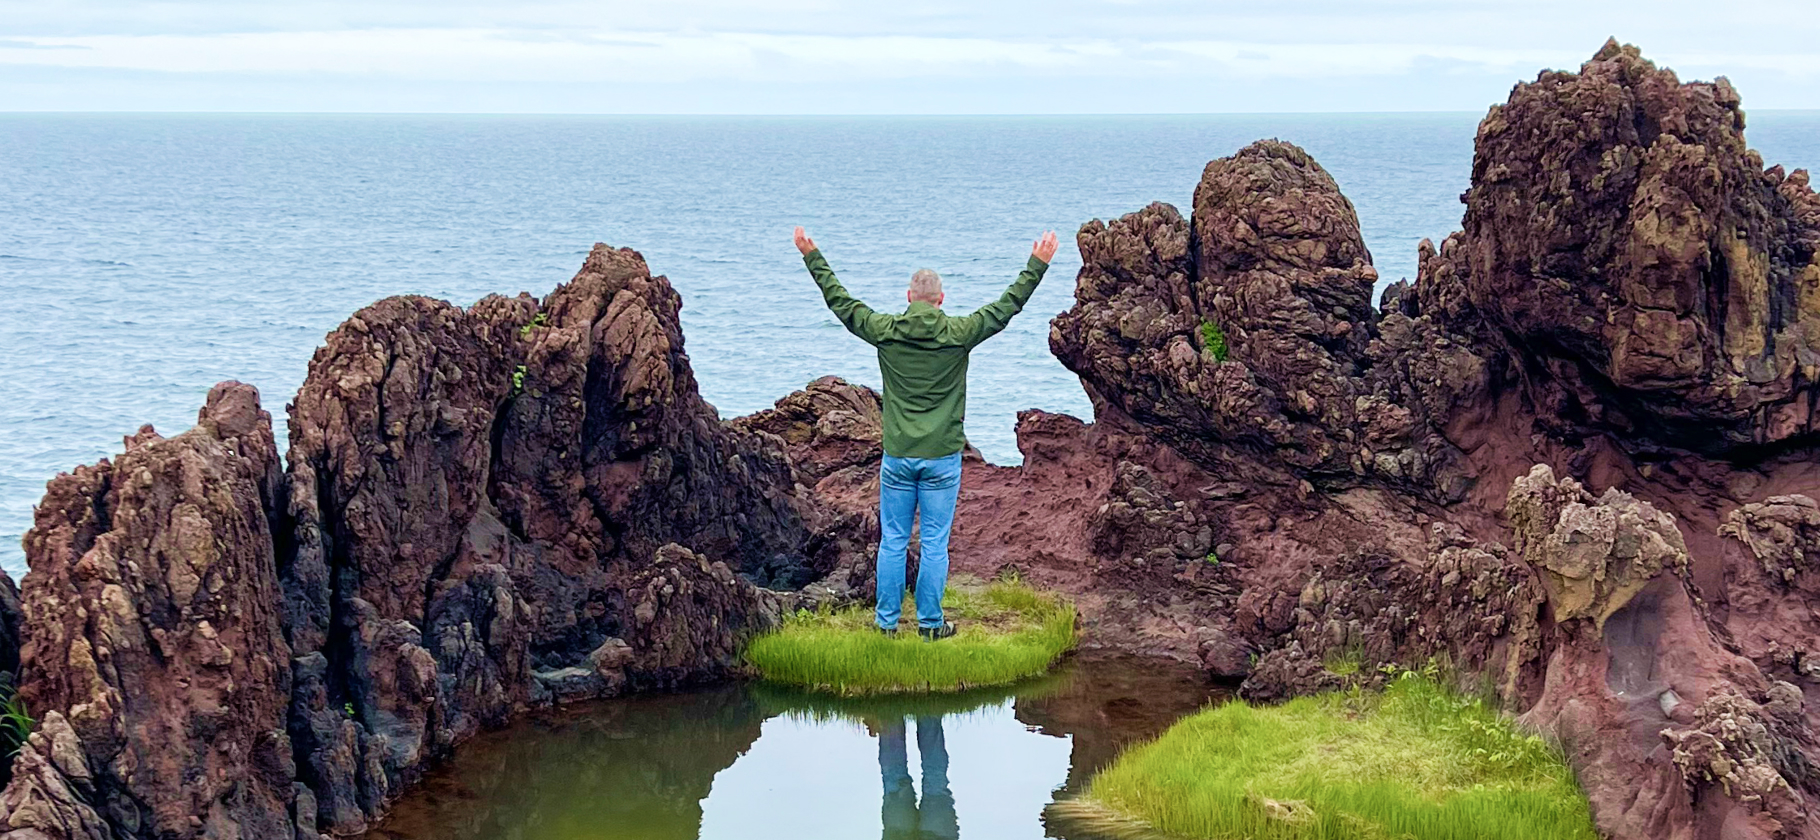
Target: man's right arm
(857, 317)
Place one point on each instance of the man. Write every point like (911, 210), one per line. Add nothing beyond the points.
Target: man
(923, 356)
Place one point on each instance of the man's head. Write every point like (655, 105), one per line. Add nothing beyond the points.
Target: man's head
(926, 286)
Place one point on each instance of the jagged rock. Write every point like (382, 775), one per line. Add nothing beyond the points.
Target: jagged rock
(1287, 672)
(1657, 279)
(1595, 555)
(1144, 530)
(689, 616)
(1741, 747)
(527, 501)
(830, 425)
(51, 788)
(152, 619)
(478, 501)
(1273, 266)
(479, 495)
(1781, 533)
(1771, 551)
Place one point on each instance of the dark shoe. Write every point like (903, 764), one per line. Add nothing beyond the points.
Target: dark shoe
(890, 634)
(931, 634)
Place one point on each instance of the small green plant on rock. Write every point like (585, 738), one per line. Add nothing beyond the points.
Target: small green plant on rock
(1213, 341)
(518, 380)
(539, 320)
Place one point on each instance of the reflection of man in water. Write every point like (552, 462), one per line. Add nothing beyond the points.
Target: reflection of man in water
(904, 820)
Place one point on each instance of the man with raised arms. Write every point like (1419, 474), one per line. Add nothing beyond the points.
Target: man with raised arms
(922, 353)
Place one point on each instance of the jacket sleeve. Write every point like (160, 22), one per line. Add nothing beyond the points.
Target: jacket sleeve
(990, 319)
(858, 318)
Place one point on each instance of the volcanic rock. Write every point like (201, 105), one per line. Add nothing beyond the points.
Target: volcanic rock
(1655, 278)
(1572, 459)
(153, 635)
(830, 425)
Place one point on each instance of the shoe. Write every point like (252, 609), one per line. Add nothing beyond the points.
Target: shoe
(889, 634)
(931, 634)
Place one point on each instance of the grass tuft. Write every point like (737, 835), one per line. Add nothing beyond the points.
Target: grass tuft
(15, 720)
(1009, 631)
(1213, 340)
(1415, 761)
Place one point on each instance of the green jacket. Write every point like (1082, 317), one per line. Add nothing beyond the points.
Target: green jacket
(923, 356)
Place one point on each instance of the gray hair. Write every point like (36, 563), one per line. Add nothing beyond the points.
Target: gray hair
(926, 286)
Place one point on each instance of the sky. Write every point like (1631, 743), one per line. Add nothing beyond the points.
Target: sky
(868, 56)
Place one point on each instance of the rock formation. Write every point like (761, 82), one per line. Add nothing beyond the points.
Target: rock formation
(154, 649)
(1572, 459)
(486, 510)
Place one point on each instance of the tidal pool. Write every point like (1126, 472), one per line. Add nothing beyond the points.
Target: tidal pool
(754, 761)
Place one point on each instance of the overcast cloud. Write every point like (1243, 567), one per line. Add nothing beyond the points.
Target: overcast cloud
(864, 56)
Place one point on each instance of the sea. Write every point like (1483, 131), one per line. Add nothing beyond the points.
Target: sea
(146, 257)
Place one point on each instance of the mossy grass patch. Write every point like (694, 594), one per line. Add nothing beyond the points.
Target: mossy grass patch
(1009, 631)
(1415, 760)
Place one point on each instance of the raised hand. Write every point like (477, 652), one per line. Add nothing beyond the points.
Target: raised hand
(1044, 249)
(805, 244)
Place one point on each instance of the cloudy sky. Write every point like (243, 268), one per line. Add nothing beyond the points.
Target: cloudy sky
(868, 56)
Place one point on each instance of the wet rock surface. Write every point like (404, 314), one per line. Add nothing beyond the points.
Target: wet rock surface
(1572, 459)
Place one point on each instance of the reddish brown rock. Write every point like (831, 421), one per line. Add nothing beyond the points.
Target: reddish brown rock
(487, 509)
(830, 425)
(490, 500)
(1273, 267)
(1659, 281)
(154, 651)
(1572, 459)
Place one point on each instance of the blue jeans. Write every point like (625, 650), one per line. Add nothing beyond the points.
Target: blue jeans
(905, 486)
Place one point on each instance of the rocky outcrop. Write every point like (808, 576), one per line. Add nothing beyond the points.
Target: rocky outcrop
(1772, 566)
(1240, 337)
(1411, 483)
(1570, 460)
(154, 636)
(501, 506)
(829, 426)
(1594, 555)
(486, 509)
(1655, 278)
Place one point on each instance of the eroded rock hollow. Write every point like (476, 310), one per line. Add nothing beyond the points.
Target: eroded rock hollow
(1574, 457)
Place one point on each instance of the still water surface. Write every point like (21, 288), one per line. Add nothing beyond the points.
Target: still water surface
(755, 761)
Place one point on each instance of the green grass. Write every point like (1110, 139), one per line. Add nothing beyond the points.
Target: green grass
(15, 721)
(1414, 761)
(1008, 632)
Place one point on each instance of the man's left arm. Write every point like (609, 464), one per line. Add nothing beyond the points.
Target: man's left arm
(991, 319)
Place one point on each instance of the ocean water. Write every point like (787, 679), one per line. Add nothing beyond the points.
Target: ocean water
(144, 258)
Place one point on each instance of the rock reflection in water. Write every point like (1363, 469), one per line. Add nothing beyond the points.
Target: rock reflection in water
(757, 761)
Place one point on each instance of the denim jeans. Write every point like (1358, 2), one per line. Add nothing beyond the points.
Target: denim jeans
(906, 486)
